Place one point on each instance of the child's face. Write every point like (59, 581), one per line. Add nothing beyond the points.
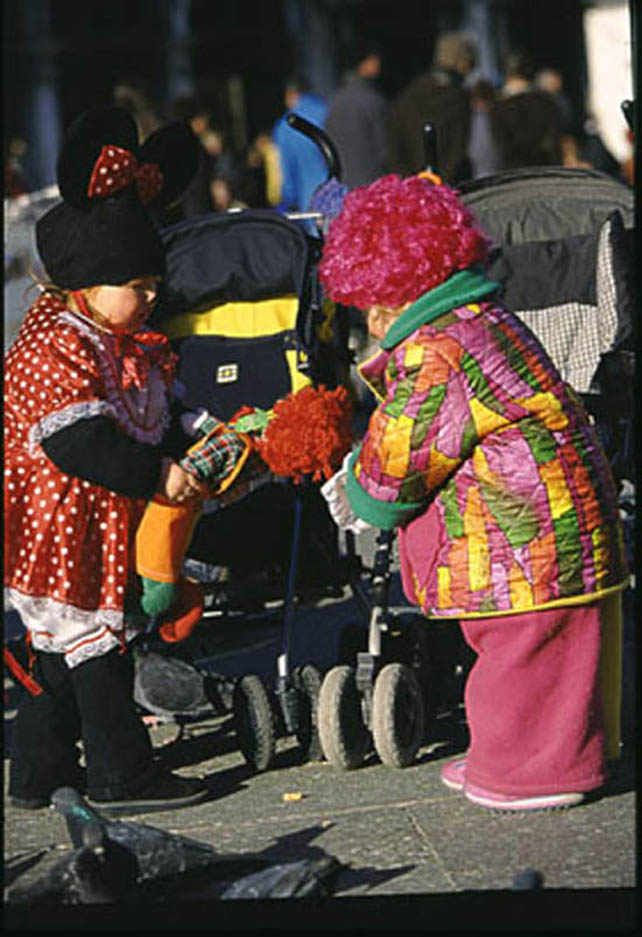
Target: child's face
(381, 318)
(125, 308)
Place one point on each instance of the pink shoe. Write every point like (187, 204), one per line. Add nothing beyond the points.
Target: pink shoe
(453, 774)
(483, 798)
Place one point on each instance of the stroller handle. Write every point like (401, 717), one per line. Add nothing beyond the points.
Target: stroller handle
(430, 147)
(322, 140)
(628, 108)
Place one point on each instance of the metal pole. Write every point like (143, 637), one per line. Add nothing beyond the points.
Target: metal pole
(286, 693)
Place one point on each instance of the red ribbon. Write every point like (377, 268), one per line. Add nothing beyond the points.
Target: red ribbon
(137, 353)
(116, 168)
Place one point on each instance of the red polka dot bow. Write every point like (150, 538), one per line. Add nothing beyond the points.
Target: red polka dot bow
(116, 168)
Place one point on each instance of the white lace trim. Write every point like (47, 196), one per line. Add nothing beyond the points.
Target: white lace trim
(152, 401)
(59, 628)
(53, 422)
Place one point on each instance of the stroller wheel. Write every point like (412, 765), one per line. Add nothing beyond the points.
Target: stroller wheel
(308, 683)
(254, 722)
(397, 715)
(344, 737)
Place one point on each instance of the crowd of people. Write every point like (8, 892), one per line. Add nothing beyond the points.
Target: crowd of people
(482, 127)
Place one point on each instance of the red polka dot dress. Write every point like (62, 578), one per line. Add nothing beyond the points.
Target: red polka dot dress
(68, 542)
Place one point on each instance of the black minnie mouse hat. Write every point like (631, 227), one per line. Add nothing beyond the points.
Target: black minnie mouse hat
(103, 231)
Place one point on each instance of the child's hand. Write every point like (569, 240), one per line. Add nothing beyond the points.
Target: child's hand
(178, 485)
(336, 496)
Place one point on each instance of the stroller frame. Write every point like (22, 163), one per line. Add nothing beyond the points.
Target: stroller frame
(292, 707)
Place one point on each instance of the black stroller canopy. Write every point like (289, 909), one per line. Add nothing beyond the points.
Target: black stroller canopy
(563, 252)
(242, 256)
(545, 203)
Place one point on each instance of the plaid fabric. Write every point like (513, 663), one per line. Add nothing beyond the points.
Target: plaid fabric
(254, 474)
(576, 334)
(213, 459)
(570, 333)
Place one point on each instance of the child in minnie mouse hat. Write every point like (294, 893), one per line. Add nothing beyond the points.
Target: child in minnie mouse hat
(87, 414)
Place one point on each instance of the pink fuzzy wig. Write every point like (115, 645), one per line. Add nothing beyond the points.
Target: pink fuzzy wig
(395, 239)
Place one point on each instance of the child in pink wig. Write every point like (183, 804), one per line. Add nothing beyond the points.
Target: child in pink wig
(485, 461)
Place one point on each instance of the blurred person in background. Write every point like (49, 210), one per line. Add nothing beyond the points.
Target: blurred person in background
(526, 122)
(436, 96)
(482, 149)
(356, 121)
(302, 166)
(264, 166)
(628, 166)
(197, 198)
(591, 150)
(549, 80)
(222, 168)
(16, 181)
(582, 144)
(132, 97)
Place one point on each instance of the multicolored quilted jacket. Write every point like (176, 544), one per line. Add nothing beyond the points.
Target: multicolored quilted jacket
(486, 461)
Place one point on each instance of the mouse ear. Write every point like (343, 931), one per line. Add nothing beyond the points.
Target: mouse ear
(174, 150)
(90, 136)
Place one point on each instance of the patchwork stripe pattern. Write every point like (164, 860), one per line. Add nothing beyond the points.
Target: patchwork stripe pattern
(475, 422)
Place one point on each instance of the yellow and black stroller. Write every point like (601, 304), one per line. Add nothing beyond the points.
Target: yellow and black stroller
(243, 308)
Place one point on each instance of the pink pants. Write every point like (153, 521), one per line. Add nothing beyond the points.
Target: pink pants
(533, 702)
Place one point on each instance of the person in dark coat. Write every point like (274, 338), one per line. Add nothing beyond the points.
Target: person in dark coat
(356, 120)
(526, 123)
(436, 96)
(482, 149)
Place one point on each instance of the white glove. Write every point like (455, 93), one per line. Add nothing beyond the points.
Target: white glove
(336, 496)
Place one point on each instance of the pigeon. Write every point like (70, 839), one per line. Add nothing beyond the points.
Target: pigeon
(95, 871)
(116, 860)
(168, 687)
(299, 879)
(173, 690)
(165, 863)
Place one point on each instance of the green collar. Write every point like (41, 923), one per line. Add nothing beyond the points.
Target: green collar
(463, 287)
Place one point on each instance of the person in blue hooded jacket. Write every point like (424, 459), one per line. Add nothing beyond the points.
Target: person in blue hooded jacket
(301, 162)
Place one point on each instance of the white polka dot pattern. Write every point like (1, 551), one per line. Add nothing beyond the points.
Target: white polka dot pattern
(116, 168)
(68, 543)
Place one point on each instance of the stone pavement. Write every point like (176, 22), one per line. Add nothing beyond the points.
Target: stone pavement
(397, 832)
(414, 854)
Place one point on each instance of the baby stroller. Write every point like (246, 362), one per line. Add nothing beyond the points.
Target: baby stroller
(243, 309)
(389, 694)
(563, 252)
(575, 229)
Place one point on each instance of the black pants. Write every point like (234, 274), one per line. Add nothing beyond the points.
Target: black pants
(93, 702)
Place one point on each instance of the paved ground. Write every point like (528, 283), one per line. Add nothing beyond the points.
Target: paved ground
(414, 855)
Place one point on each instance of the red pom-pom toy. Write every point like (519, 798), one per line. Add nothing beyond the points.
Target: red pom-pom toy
(308, 433)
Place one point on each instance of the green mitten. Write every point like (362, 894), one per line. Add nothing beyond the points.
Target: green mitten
(254, 422)
(157, 596)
